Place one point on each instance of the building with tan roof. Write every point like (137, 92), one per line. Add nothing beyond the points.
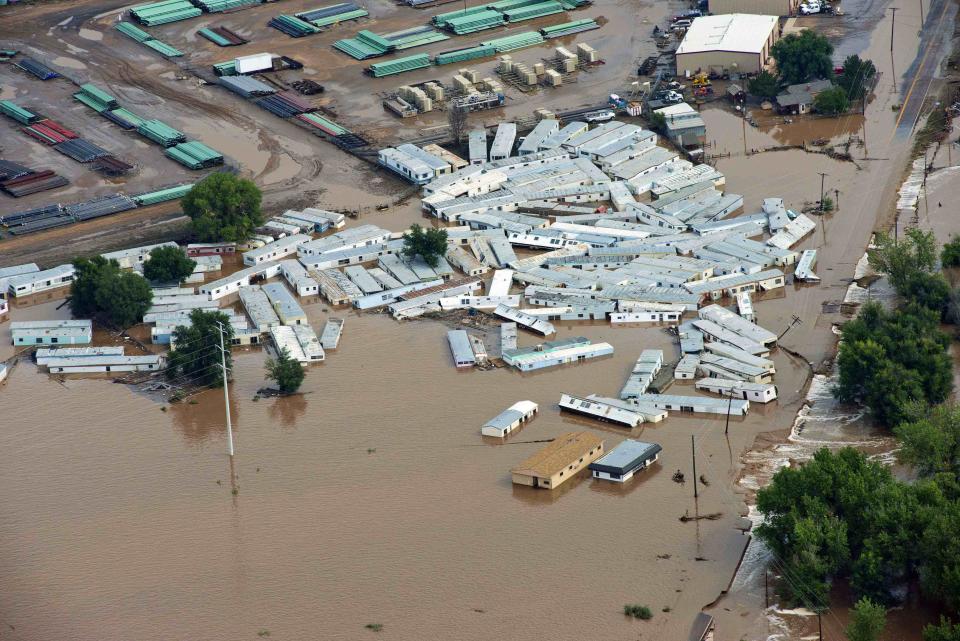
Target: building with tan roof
(559, 461)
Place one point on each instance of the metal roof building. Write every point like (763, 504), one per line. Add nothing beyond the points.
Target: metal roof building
(284, 304)
(544, 129)
(258, 308)
(460, 348)
(625, 460)
(722, 43)
(478, 147)
(275, 250)
(502, 146)
(510, 419)
(600, 411)
(332, 330)
(28, 283)
(559, 461)
(54, 332)
(702, 405)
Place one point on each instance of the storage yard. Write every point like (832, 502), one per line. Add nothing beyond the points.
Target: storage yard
(607, 309)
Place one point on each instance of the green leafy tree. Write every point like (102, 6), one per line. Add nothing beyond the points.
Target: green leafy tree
(950, 254)
(103, 291)
(940, 556)
(899, 259)
(658, 122)
(867, 620)
(168, 265)
(431, 244)
(928, 290)
(802, 57)
(223, 207)
(931, 442)
(831, 101)
(947, 630)
(891, 360)
(857, 75)
(196, 356)
(285, 372)
(764, 85)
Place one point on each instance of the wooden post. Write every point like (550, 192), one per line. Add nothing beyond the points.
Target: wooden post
(693, 452)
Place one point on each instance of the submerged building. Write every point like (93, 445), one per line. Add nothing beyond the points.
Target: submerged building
(559, 461)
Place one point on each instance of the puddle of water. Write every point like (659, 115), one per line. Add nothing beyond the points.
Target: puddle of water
(69, 63)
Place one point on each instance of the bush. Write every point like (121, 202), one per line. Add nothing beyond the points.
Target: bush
(223, 207)
(764, 85)
(638, 611)
(831, 101)
(168, 265)
(802, 57)
(950, 254)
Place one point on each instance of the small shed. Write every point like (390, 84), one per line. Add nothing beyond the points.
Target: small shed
(510, 419)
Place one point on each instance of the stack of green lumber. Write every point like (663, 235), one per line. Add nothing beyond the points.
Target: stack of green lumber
(217, 6)
(365, 44)
(164, 12)
(18, 113)
(568, 28)
(162, 195)
(531, 11)
(96, 98)
(194, 155)
(462, 55)
(517, 41)
(399, 65)
(160, 133)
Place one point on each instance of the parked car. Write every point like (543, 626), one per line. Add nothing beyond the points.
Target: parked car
(680, 25)
(809, 8)
(669, 97)
(599, 116)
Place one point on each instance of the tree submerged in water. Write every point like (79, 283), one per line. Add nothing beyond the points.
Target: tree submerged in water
(286, 372)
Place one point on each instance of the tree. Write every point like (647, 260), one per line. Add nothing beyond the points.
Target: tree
(928, 290)
(658, 122)
(891, 360)
(102, 291)
(223, 207)
(931, 442)
(802, 57)
(457, 119)
(196, 354)
(431, 244)
(764, 85)
(899, 259)
(285, 372)
(867, 620)
(857, 74)
(168, 264)
(950, 254)
(945, 631)
(831, 101)
(940, 556)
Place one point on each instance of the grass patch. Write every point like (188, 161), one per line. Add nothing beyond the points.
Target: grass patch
(935, 129)
(638, 611)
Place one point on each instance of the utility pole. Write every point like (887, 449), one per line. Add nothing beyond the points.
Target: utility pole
(822, 176)
(693, 452)
(726, 428)
(820, 625)
(836, 199)
(921, 15)
(226, 393)
(796, 321)
(893, 21)
(766, 597)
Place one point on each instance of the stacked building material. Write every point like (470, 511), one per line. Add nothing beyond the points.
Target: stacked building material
(414, 37)
(333, 14)
(514, 42)
(100, 207)
(18, 113)
(568, 28)
(443, 19)
(132, 31)
(96, 98)
(49, 132)
(283, 105)
(160, 133)
(164, 12)
(462, 55)
(111, 166)
(228, 68)
(163, 48)
(81, 150)
(293, 26)
(32, 183)
(30, 215)
(123, 117)
(38, 69)
(529, 12)
(246, 86)
(471, 23)
(10, 169)
(323, 124)
(365, 44)
(221, 36)
(219, 6)
(399, 65)
(162, 195)
(194, 155)
(41, 224)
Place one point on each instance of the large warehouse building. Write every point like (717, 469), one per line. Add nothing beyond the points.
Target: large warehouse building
(761, 7)
(738, 42)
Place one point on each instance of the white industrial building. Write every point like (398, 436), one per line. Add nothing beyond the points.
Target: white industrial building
(41, 281)
(510, 419)
(736, 42)
(743, 390)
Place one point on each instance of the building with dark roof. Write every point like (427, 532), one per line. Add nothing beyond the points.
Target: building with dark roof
(625, 460)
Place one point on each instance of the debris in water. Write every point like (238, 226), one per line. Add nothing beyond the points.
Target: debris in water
(709, 517)
(703, 479)
(678, 477)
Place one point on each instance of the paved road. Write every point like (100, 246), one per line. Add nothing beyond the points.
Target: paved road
(935, 35)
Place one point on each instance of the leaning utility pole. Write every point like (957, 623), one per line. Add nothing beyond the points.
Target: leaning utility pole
(226, 393)
(693, 452)
(822, 176)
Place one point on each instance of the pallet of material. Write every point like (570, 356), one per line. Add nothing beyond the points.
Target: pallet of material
(221, 36)
(293, 26)
(33, 183)
(81, 150)
(18, 113)
(96, 98)
(568, 28)
(164, 12)
(37, 68)
(194, 155)
(160, 133)
(399, 65)
(111, 166)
